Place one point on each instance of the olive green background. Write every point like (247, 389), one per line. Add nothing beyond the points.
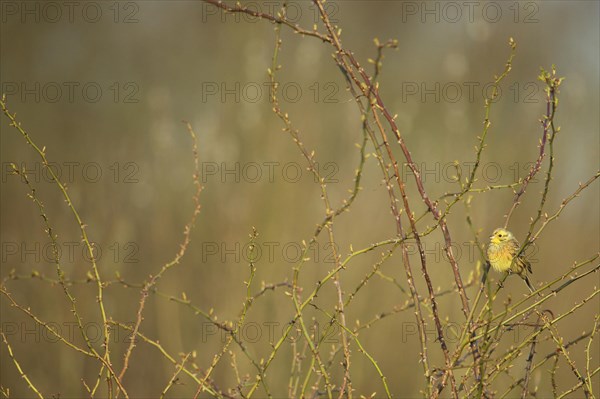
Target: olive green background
(158, 63)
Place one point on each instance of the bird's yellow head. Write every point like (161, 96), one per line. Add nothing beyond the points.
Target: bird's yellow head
(500, 235)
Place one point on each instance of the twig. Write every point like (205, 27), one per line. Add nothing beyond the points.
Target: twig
(19, 369)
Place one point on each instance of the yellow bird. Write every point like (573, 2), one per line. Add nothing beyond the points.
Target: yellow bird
(501, 253)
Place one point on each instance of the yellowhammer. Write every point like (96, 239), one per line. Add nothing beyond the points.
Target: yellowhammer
(502, 251)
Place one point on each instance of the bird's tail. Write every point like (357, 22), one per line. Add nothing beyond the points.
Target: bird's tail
(526, 279)
(486, 269)
(527, 265)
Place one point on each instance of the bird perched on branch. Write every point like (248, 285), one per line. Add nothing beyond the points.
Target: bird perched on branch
(503, 254)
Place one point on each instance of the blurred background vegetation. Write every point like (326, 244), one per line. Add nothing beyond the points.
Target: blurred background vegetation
(159, 63)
